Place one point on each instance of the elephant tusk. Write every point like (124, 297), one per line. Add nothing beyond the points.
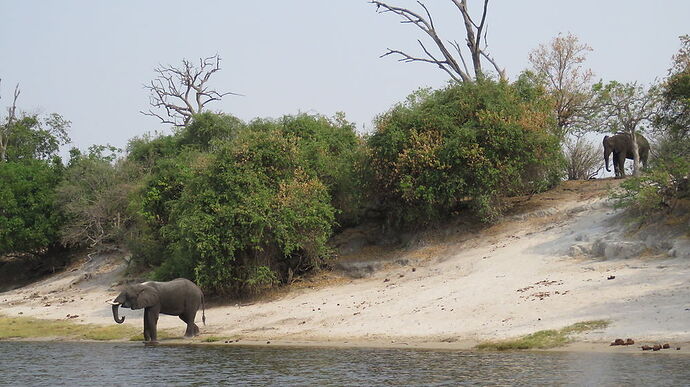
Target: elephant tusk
(112, 302)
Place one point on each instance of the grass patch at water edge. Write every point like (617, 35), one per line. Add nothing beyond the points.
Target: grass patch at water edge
(544, 339)
(29, 327)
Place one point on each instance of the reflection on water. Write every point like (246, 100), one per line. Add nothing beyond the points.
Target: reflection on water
(53, 363)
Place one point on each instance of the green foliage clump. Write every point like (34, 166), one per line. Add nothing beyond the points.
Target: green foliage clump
(674, 115)
(464, 146)
(207, 128)
(656, 191)
(30, 219)
(33, 138)
(241, 207)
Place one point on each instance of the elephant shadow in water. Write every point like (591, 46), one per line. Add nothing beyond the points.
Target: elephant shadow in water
(179, 297)
(621, 146)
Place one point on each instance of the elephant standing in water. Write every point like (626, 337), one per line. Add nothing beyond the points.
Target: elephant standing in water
(622, 147)
(179, 297)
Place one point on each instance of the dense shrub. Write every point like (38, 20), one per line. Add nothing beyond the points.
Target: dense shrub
(330, 150)
(656, 191)
(463, 146)
(208, 127)
(147, 150)
(244, 208)
(29, 218)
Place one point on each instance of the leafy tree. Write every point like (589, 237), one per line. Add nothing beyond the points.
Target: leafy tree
(674, 115)
(29, 217)
(25, 136)
(465, 145)
(29, 171)
(560, 66)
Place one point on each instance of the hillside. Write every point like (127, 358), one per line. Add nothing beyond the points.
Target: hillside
(557, 258)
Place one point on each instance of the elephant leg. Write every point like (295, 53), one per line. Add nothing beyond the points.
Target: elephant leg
(147, 334)
(151, 321)
(614, 161)
(195, 328)
(192, 329)
(621, 164)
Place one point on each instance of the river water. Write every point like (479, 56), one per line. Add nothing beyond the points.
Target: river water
(130, 364)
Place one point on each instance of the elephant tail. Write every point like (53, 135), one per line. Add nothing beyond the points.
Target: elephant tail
(203, 310)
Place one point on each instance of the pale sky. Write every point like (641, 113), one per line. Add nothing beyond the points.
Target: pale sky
(88, 60)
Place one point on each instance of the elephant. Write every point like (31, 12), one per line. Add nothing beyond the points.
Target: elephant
(179, 297)
(621, 147)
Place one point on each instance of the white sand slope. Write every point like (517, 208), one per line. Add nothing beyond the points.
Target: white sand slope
(541, 270)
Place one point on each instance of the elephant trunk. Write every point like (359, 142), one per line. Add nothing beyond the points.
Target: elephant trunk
(118, 320)
(606, 160)
(607, 153)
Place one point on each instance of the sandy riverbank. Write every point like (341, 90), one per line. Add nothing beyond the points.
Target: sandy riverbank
(542, 268)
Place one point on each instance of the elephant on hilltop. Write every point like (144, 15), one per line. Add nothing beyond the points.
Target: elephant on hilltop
(621, 146)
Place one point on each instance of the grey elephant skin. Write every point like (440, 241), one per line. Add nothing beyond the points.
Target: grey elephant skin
(179, 297)
(621, 146)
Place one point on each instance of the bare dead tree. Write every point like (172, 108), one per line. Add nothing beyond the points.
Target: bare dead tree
(446, 58)
(183, 92)
(6, 127)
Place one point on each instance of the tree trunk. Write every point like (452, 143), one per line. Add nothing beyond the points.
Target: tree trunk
(636, 153)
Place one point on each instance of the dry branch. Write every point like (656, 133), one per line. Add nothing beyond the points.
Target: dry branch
(7, 126)
(446, 60)
(183, 92)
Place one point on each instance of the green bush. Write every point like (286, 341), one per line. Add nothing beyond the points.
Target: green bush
(656, 191)
(152, 206)
(30, 219)
(330, 150)
(147, 150)
(463, 146)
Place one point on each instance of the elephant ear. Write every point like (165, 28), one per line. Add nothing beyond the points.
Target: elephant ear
(147, 297)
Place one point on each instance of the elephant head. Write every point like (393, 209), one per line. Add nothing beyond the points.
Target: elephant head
(134, 297)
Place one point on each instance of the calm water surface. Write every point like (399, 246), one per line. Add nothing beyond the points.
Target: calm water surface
(72, 364)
